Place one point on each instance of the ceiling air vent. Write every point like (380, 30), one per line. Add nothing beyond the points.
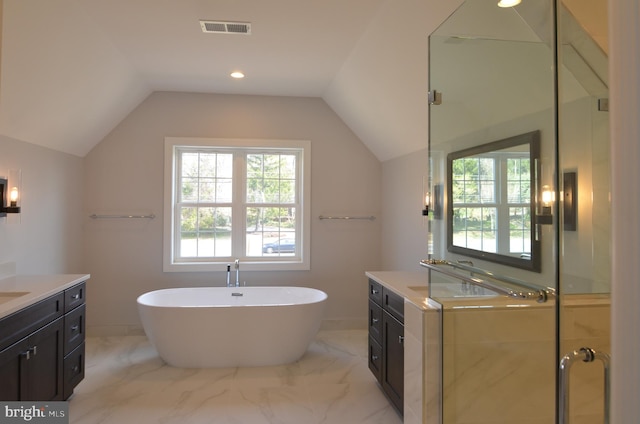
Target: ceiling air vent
(224, 27)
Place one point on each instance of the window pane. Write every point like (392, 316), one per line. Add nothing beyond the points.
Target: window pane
(205, 232)
(271, 178)
(189, 189)
(518, 180)
(271, 232)
(189, 164)
(488, 191)
(475, 228)
(474, 180)
(206, 177)
(489, 230)
(520, 230)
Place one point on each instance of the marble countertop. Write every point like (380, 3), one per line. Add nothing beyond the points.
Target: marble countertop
(414, 287)
(18, 292)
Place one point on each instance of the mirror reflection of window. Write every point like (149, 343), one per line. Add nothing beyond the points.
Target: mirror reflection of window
(492, 193)
(491, 196)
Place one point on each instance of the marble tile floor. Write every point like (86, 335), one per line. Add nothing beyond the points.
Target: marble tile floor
(126, 382)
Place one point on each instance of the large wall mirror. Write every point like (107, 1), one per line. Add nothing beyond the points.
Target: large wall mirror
(492, 189)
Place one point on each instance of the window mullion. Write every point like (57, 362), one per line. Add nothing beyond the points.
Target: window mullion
(239, 209)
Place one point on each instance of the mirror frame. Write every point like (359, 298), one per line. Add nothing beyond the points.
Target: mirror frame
(533, 140)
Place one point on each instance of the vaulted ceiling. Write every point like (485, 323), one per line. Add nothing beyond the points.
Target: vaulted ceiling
(73, 69)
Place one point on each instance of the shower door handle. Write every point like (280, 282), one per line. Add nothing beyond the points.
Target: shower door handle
(584, 354)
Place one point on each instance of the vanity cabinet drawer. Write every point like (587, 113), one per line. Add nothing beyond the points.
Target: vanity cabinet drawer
(375, 292)
(73, 370)
(375, 321)
(24, 322)
(393, 303)
(74, 329)
(74, 297)
(375, 359)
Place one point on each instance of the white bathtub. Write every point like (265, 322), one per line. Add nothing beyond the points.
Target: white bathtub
(207, 327)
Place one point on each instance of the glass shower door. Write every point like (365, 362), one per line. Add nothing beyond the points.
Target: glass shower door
(493, 81)
(585, 233)
(498, 73)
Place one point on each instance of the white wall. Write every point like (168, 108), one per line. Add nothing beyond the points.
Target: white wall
(46, 238)
(405, 231)
(624, 70)
(124, 174)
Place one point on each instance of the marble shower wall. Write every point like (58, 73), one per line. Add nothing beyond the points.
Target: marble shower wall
(498, 364)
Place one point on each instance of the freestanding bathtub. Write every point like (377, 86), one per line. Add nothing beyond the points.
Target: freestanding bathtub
(210, 327)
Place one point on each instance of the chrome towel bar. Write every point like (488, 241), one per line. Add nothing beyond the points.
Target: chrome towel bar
(531, 292)
(95, 216)
(369, 218)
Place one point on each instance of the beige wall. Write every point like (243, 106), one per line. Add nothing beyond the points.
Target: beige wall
(624, 48)
(46, 238)
(405, 232)
(124, 174)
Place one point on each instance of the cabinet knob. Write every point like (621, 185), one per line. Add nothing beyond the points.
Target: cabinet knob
(374, 291)
(76, 296)
(374, 320)
(74, 327)
(374, 358)
(400, 339)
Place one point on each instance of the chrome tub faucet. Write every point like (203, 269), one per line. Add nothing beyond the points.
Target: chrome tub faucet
(237, 265)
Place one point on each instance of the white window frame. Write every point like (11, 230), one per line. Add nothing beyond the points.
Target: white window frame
(282, 263)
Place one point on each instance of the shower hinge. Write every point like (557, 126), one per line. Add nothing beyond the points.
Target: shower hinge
(603, 105)
(435, 97)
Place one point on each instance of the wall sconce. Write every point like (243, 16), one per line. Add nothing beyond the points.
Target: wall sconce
(426, 196)
(427, 204)
(547, 197)
(433, 202)
(10, 194)
(570, 201)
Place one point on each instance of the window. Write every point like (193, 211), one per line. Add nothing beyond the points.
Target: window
(236, 199)
(491, 196)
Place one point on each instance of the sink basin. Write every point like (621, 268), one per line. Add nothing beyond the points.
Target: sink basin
(9, 296)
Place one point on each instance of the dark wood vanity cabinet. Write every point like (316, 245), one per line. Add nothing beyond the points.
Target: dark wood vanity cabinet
(386, 341)
(36, 345)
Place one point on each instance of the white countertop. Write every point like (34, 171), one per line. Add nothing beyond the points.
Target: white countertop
(35, 287)
(414, 287)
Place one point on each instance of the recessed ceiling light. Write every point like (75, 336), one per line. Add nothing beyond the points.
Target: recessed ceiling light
(237, 74)
(508, 3)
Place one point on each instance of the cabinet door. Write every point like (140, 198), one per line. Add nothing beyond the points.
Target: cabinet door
(11, 360)
(393, 360)
(42, 372)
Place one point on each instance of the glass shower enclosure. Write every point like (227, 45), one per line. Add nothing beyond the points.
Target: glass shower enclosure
(520, 211)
